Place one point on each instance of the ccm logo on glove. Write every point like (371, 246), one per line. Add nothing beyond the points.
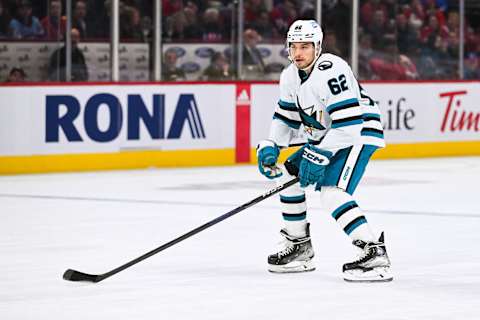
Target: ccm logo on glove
(315, 157)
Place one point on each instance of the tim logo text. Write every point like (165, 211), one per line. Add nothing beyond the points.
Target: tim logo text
(456, 116)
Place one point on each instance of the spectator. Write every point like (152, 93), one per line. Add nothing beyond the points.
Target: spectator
(431, 9)
(418, 10)
(252, 57)
(282, 16)
(54, 23)
(415, 14)
(170, 71)
(368, 10)
(433, 34)
(219, 69)
(175, 26)
(306, 10)
(16, 75)
(472, 66)
(471, 39)
(98, 17)
(192, 28)
(393, 66)
(453, 21)
(406, 35)
(169, 7)
(212, 26)
(429, 68)
(338, 18)
(57, 66)
(252, 9)
(261, 23)
(381, 30)
(409, 67)
(4, 20)
(78, 18)
(391, 6)
(131, 28)
(330, 44)
(452, 45)
(26, 26)
(365, 53)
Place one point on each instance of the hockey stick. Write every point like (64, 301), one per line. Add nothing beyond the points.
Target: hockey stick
(73, 275)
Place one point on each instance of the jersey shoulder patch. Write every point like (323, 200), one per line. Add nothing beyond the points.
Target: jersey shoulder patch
(325, 65)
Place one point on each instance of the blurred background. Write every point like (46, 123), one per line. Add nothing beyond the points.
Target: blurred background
(195, 40)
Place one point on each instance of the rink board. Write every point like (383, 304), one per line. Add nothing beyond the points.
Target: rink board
(93, 126)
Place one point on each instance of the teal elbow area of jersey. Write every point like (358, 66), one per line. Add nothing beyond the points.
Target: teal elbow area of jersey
(354, 224)
(371, 116)
(288, 106)
(346, 123)
(294, 217)
(291, 123)
(342, 105)
(372, 132)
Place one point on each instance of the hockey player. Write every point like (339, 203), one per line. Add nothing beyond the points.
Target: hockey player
(320, 95)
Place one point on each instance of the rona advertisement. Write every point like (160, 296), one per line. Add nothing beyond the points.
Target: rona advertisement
(221, 123)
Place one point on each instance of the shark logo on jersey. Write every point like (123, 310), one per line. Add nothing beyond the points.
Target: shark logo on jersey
(309, 110)
(310, 118)
(311, 126)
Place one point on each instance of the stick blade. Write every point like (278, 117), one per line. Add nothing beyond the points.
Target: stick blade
(73, 275)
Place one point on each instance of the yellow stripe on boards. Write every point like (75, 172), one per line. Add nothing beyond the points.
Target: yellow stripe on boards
(194, 158)
(115, 161)
(429, 149)
(284, 154)
(409, 150)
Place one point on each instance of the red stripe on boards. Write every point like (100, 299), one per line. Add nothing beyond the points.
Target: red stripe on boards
(242, 132)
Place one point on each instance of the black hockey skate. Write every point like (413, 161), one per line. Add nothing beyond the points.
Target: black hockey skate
(373, 264)
(295, 257)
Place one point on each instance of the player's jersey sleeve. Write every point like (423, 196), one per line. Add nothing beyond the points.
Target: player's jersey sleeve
(342, 106)
(286, 120)
(372, 132)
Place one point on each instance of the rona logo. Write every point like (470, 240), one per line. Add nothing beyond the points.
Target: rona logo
(58, 119)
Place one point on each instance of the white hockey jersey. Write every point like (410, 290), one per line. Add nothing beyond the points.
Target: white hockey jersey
(329, 105)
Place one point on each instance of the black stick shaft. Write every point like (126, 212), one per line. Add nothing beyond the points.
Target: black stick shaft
(264, 196)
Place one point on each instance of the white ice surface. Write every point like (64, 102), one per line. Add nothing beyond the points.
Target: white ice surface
(94, 222)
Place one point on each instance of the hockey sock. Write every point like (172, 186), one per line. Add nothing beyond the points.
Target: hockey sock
(294, 212)
(344, 209)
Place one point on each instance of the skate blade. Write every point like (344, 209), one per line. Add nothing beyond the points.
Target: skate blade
(374, 275)
(292, 267)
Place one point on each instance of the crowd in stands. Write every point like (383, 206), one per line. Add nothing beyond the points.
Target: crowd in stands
(46, 20)
(412, 39)
(398, 39)
(192, 20)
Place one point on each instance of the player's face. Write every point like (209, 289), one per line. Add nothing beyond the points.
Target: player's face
(302, 53)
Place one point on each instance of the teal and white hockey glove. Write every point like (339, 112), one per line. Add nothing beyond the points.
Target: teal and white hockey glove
(312, 166)
(267, 156)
